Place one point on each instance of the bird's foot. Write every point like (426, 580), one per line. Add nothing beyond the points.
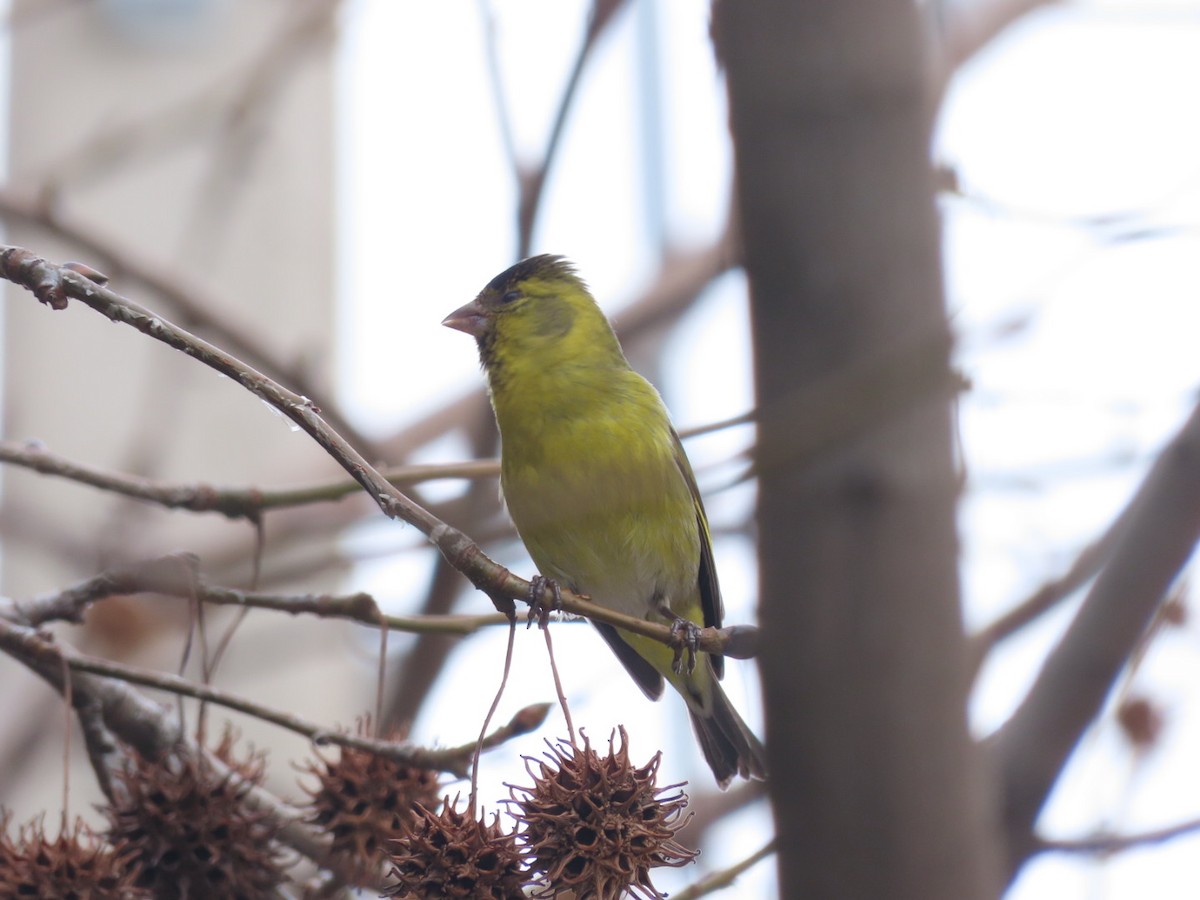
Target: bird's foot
(538, 610)
(687, 644)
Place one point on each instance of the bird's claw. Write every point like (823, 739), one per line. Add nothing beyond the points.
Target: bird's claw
(686, 638)
(538, 610)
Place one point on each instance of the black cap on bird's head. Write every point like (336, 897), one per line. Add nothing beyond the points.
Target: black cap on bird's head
(509, 286)
(547, 265)
(539, 311)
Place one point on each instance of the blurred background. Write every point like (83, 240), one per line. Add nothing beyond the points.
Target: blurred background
(313, 185)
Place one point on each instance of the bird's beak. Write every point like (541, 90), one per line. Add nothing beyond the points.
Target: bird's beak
(472, 318)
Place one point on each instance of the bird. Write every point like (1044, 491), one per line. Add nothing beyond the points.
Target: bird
(600, 490)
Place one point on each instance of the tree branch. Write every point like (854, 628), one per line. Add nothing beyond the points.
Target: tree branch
(879, 790)
(1109, 844)
(39, 651)
(1090, 561)
(55, 285)
(176, 575)
(233, 502)
(152, 732)
(967, 26)
(194, 306)
(1162, 525)
(531, 183)
(725, 877)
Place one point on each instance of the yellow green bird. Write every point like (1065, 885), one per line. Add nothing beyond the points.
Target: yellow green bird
(599, 487)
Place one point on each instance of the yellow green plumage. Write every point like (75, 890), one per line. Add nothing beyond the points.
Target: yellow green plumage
(599, 486)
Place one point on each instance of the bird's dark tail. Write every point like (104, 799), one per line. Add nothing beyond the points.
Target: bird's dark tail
(728, 744)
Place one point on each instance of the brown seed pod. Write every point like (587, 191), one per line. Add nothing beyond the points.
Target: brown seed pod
(453, 855)
(186, 825)
(365, 801)
(597, 825)
(76, 864)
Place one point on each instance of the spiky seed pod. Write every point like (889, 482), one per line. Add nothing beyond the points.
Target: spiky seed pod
(76, 865)
(365, 801)
(453, 855)
(187, 826)
(597, 825)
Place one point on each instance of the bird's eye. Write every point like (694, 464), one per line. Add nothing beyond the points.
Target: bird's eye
(510, 296)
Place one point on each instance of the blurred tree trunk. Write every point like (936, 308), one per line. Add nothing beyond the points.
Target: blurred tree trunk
(877, 788)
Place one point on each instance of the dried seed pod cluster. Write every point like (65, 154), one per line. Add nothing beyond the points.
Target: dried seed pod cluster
(188, 828)
(75, 864)
(365, 801)
(451, 854)
(591, 826)
(597, 825)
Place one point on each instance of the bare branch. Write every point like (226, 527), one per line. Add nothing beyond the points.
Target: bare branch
(194, 306)
(967, 26)
(1159, 534)
(725, 877)
(234, 502)
(176, 575)
(711, 807)
(39, 651)
(1109, 844)
(151, 730)
(358, 607)
(1049, 595)
(102, 748)
(54, 285)
(531, 183)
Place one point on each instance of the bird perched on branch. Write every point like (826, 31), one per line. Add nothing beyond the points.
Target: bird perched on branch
(600, 489)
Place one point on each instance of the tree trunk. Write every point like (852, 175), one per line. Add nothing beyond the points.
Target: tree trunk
(878, 789)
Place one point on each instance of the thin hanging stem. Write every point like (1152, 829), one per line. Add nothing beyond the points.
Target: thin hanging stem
(68, 712)
(558, 688)
(380, 676)
(508, 656)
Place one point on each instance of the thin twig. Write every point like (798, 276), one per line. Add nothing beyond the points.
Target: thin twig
(185, 657)
(232, 502)
(359, 607)
(508, 655)
(496, 83)
(1158, 535)
(146, 727)
(1109, 844)
(103, 752)
(715, 881)
(533, 183)
(967, 27)
(194, 304)
(175, 575)
(38, 650)
(161, 576)
(558, 688)
(55, 285)
(1046, 597)
(419, 671)
(68, 705)
(380, 677)
(712, 807)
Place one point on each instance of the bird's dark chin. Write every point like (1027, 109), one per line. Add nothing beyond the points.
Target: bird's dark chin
(487, 356)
